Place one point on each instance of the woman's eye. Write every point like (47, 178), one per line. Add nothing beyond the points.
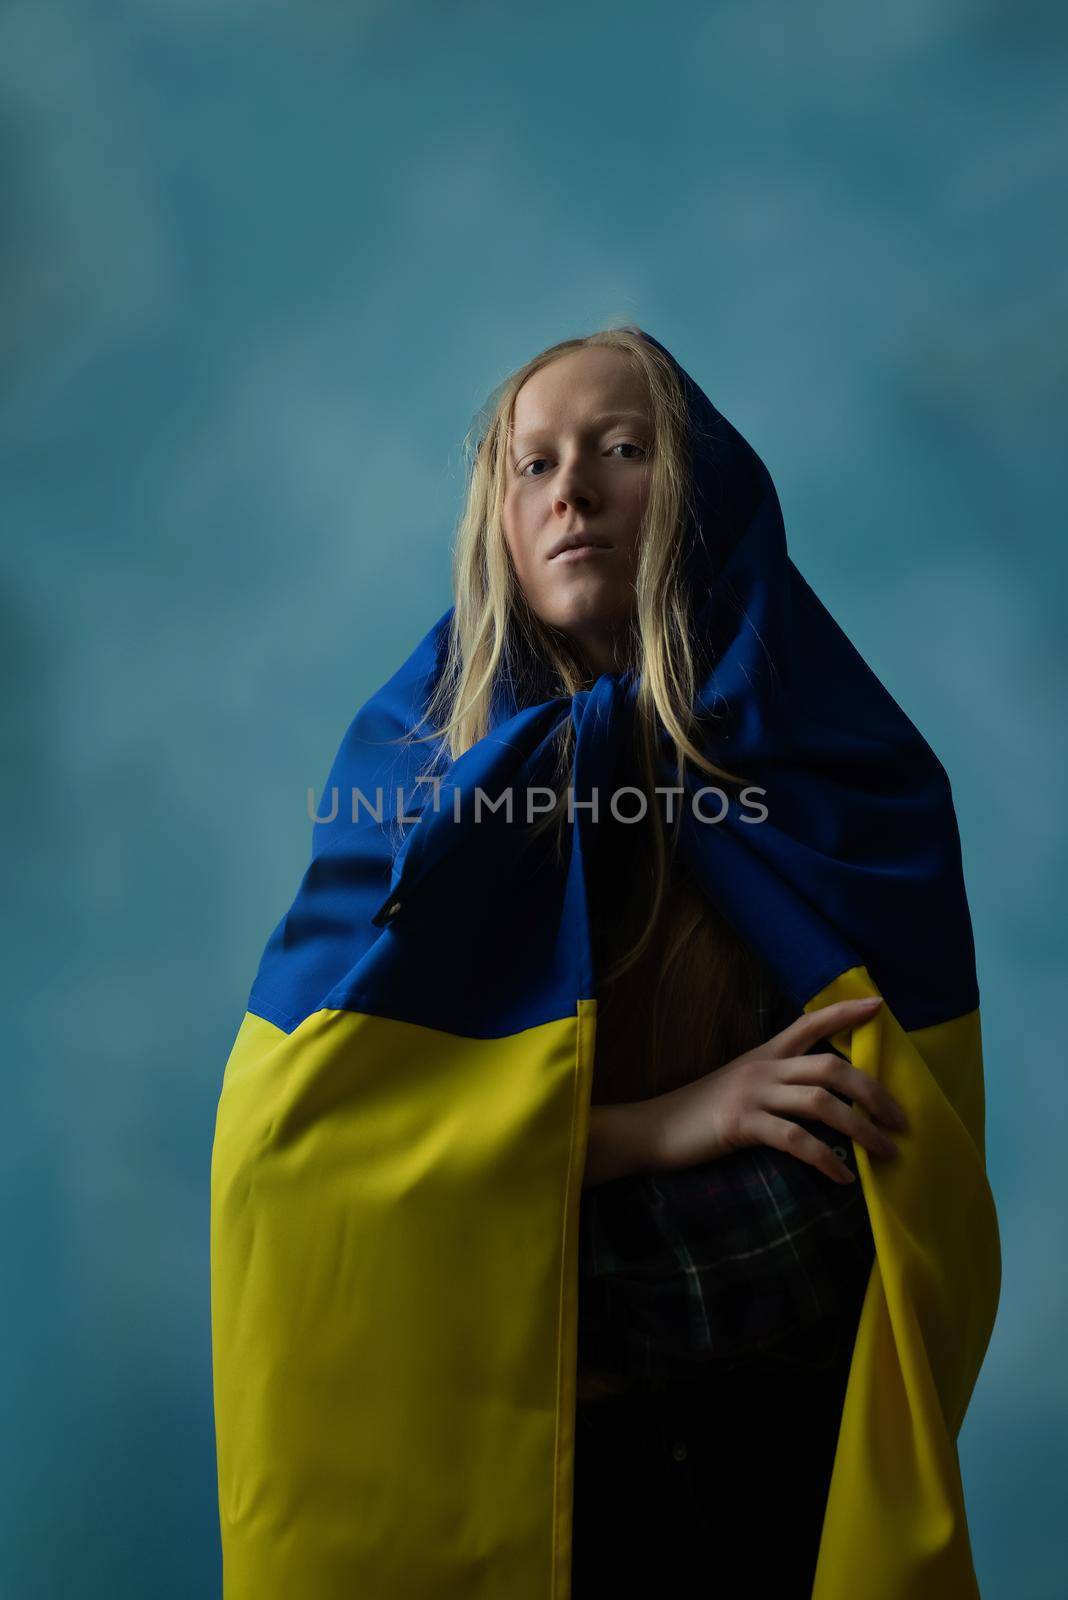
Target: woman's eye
(621, 444)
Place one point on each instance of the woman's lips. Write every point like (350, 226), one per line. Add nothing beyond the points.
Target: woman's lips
(579, 552)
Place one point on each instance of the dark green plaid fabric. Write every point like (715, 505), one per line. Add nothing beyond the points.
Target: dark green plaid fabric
(719, 1261)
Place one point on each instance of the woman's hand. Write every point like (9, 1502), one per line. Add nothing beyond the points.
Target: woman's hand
(750, 1100)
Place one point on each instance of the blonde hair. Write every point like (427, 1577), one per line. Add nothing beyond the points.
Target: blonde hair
(495, 633)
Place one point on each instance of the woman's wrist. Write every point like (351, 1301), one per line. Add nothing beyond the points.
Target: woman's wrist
(669, 1137)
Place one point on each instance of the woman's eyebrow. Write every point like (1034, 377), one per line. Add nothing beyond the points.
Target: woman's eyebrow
(599, 421)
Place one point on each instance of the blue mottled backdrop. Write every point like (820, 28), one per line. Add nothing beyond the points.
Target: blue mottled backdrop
(263, 261)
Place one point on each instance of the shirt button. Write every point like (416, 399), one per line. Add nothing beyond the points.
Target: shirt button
(678, 1450)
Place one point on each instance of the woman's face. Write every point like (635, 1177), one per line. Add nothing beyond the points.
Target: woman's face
(578, 467)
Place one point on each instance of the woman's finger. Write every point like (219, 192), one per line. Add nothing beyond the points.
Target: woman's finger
(820, 1105)
(832, 1072)
(796, 1141)
(813, 1026)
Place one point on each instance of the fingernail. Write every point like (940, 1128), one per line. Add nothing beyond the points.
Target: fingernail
(871, 1001)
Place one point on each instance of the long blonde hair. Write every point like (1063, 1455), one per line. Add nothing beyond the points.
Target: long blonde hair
(495, 632)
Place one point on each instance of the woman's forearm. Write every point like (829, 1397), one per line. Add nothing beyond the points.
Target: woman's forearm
(619, 1142)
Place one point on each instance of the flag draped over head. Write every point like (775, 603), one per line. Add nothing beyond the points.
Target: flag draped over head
(401, 1130)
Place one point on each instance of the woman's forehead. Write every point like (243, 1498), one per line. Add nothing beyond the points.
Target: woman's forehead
(591, 386)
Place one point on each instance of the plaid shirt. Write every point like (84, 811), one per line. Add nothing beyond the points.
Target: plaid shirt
(718, 1261)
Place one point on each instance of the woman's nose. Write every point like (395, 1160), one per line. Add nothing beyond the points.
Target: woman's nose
(565, 502)
(573, 490)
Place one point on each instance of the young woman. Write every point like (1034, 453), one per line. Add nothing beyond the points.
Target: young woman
(716, 1313)
(539, 1259)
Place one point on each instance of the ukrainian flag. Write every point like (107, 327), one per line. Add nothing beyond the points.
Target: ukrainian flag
(401, 1131)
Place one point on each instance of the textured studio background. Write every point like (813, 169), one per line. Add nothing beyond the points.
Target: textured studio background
(263, 261)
